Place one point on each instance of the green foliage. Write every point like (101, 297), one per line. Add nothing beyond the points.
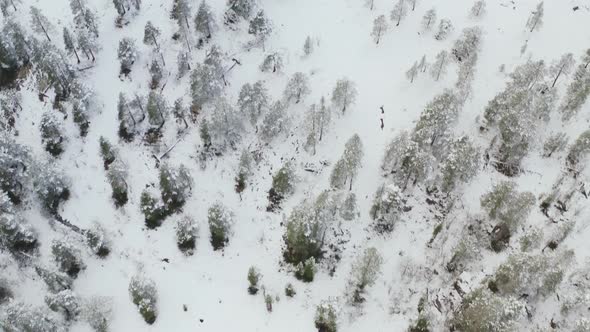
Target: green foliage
(387, 206)
(290, 290)
(306, 270)
(305, 234)
(531, 239)
(153, 211)
(67, 257)
(175, 186)
(506, 204)
(51, 134)
(107, 152)
(97, 241)
(579, 149)
(325, 318)
(144, 296)
(52, 188)
(283, 185)
(460, 164)
(483, 311)
(220, 222)
(116, 175)
(365, 271)
(186, 235)
(422, 324)
(253, 279)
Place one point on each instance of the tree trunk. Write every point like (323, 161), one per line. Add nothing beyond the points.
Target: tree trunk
(442, 62)
(556, 77)
(43, 28)
(92, 54)
(76, 53)
(13, 6)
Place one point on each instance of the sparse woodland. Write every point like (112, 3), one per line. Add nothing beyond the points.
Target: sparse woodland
(257, 165)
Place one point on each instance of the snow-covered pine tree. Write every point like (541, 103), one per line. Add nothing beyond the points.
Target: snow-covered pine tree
(244, 171)
(344, 94)
(16, 235)
(439, 67)
(364, 272)
(15, 169)
(387, 207)
(67, 257)
(127, 54)
(275, 122)
(445, 27)
(151, 34)
(220, 221)
(429, 19)
(187, 232)
(204, 20)
(399, 12)
(24, 317)
(283, 185)
(175, 186)
(253, 100)
(346, 168)
(239, 9)
(478, 9)
(535, 21)
(66, 303)
(260, 27)
(52, 130)
(578, 90)
(226, 126)
(412, 72)
(98, 311)
(578, 150)
(297, 87)
(562, 67)
(206, 84)
(272, 62)
(460, 164)
(144, 295)
(380, 27)
(316, 122)
(40, 22)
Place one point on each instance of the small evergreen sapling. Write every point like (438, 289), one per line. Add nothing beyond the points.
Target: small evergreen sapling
(220, 221)
(52, 130)
(305, 271)
(283, 185)
(325, 318)
(187, 233)
(253, 279)
(175, 186)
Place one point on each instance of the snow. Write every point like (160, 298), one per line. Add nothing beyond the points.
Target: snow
(213, 284)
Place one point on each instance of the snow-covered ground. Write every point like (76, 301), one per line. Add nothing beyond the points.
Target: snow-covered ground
(212, 284)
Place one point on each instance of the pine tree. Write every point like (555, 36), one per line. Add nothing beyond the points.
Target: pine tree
(40, 23)
(439, 67)
(434, 127)
(275, 122)
(15, 49)
(226, 126)
(117, 178)
(51, 128)
(578, 150)
(175, 186)
(380, 27)
(444, 29)
(206, 84)
(273, 62)
(254, 277)
(423, 65)
(220, 221)
(308, 46)
(316, 122)
(344, 94)
(65, 302)
(305, 235)
(460, 164)
(406, 160)
(554, 143)
(97, 311)
(346, 168)
(244, 171)
(387, 207)
(55, 280)
(156, 110)
(187, 232)
(562, 67)
(253, 100)
(127, 54)
(204, 20)
(297, 87)
(96, 239)
(260, 27)
(429, 19)
(88, 43)
(365, 271)
(400, 10)
(306, 270)
(23, 317)
(412, 72)
(348, 209)
(578, 90)
(67, 257)
(184, 64)
(283, 185)
(325, 318)
(144, 295)
(156, 73)
(151, 34)
(536, 19)
(370, 4)
(478, 9)
(505, 204)
(16, 235)
(238, 9)
(15, 169)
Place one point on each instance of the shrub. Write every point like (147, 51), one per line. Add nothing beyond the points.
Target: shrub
(51, 134)
(283, 185)
(220, 223)
(186, 235)
(365, 271)
(290, 290)
(56, 281)
(67, 257)
(144, 296)
(253, 279)
(175, 185)
(325, 318)
(107, 152)
(306, 270)
(65, 302)
(97, 311)
(52, 188)
(152, 210)
(96, 240)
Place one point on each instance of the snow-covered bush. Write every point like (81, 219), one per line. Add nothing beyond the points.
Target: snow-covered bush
(387, 207)
(365, 271)
(19, 317)
(483, 311)
(283, 185)
(15, 166)
(187, 232)
(348, 209)
(505, 204)
(52, 188)
(554, 143)
(175, 186)
(253, 279)
(15, 234)
(144, 295)
(244, 171)
(127, 54)
(52, 131)
(97, 241)
(272, 62)
(579, 149)
(253, 100)
(116, 176)
(153, 210)
(305, 271)
(325, 318)
(97, 311)
(65, 302)
(56, 281)
(220, 221)
(67, 257)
